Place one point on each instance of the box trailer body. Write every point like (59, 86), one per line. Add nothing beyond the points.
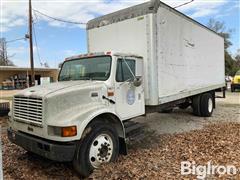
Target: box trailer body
(181, 57)
(154, 59)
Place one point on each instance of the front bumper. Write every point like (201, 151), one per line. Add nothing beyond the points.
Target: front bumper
(62, 152)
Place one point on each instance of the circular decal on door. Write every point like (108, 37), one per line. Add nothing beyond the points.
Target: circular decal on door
(130, 96)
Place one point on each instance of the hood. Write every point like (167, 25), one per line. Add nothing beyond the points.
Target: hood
(44, 90)
(236, 79)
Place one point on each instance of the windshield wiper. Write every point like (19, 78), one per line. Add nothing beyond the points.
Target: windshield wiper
(84, 78)
(65, 78)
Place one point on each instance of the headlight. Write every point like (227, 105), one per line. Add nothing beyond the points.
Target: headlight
(68, 131)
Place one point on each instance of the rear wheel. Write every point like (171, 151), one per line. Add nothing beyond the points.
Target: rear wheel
(206, 105)
(196, 105)
(99, 146)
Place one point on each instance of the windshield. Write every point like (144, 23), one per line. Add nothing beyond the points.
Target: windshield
(93, 68)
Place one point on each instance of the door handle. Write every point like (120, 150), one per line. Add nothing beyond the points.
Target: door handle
(110, 100)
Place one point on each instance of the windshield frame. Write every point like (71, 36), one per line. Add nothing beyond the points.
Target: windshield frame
(88, 57)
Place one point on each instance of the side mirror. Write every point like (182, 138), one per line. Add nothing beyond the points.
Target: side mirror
(137, 81)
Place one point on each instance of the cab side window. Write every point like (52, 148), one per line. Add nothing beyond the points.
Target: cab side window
(123, 72)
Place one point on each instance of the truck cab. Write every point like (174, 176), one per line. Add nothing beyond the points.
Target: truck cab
(80, 118)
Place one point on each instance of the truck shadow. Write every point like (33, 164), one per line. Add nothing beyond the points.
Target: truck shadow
(175, 122)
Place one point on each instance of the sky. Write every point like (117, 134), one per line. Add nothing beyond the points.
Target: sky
(57, 40)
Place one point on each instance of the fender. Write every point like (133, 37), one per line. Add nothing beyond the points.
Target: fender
(92, 114)
(82, 116)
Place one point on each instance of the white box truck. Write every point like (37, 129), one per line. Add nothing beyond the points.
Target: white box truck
(152, 58)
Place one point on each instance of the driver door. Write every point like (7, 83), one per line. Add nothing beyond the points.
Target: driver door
(129, 98)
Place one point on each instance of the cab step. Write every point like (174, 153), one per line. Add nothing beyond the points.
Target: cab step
(134, 131)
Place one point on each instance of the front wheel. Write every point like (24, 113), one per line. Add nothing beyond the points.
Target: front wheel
(99, 146)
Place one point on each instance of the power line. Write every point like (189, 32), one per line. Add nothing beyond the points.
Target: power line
(35, 39)
(58, 19)
(18, 39)
(183, 4)
(35, 16)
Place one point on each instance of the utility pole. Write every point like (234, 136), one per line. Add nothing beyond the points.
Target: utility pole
(31, 44)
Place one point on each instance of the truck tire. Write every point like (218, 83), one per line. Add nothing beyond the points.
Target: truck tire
(196, 105)
(206, 105)
(100, 145)
(232, 88)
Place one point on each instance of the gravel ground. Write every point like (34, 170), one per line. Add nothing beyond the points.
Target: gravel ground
(227, 110)
(170, 139)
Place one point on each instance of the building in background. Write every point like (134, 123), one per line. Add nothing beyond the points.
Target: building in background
(12, 77)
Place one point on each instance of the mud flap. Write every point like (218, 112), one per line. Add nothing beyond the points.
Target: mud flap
(122, 146)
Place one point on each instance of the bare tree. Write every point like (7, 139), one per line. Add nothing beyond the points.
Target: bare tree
(46, 65)
(4, 58)
(60, 65)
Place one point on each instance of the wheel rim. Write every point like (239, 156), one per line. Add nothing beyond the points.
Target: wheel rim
(210, 105)
(101, 150)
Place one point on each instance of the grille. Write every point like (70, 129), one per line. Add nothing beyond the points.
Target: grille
(28, 109)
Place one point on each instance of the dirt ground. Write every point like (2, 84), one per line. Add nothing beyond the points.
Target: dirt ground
(170, 139)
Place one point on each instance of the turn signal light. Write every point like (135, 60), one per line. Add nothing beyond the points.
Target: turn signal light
(69, 131)
(110, 93)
